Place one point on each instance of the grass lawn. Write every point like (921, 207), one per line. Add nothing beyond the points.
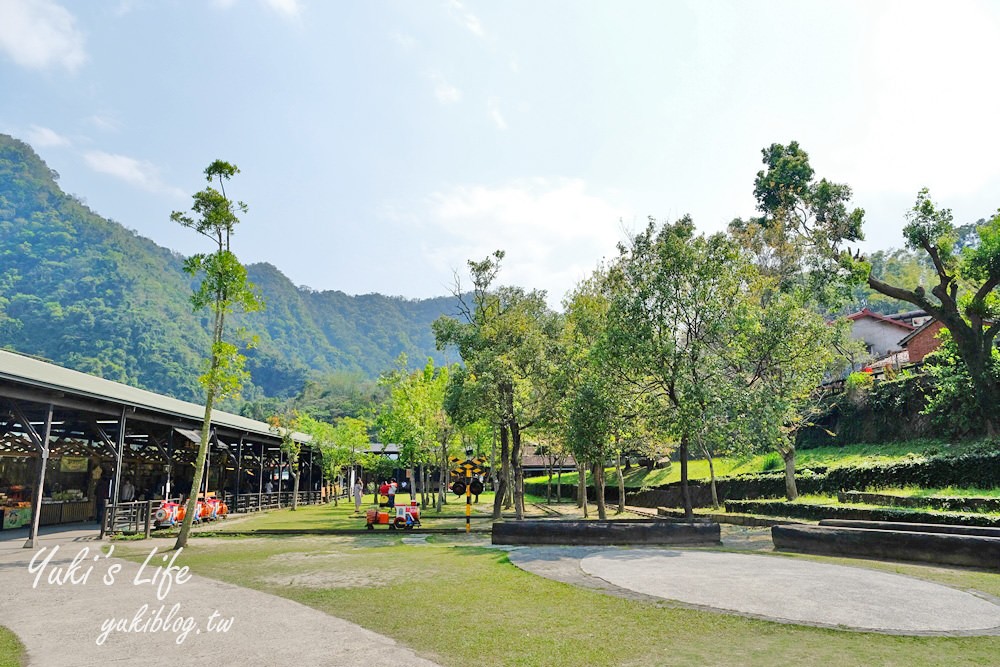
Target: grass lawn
(461, 604)
(342, 516)
(11, 649)
(312, 517)
(947, 492)
(827, 456)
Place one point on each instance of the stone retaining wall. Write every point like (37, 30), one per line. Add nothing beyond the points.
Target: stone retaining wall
(945, 549)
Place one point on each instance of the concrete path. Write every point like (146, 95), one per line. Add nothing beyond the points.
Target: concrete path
(62, 624)
(772, 587)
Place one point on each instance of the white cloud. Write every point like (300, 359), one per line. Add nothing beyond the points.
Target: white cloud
(288, 8)
(43, 137)
(497, 117)
(141, 174)
(553, 230)
(444, 91)
(105, 123)
(40, 34)
(406, 42)
(931, 113)
(466, 18)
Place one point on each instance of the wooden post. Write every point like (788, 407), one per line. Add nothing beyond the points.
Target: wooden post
(149, 516)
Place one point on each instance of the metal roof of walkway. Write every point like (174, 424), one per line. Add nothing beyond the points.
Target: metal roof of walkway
(29, 379)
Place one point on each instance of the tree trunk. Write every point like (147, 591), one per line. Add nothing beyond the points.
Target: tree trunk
(443, 477)
(206, 429)
(986, 389)
(582, 488)
(548, 485)
(517, 468)
(685, 490)
(423, 485)
(788, 454)
(974, 347)
(498, 500)
(559, 480)
(711, 474)
(295, 486)
(621, 484)
(602, 509)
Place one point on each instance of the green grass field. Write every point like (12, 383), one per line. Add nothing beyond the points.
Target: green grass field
(828, 456)
(461, 604)
(11, 649)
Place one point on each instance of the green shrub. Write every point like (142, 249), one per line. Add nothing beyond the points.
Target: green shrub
(817, 512)
(772, 461)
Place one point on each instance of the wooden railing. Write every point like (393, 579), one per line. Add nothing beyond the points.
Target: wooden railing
(256, 502)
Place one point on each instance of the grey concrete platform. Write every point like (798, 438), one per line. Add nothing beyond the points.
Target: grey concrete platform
(773, 588)
(60, 624)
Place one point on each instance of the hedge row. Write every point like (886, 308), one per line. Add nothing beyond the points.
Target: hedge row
(817, 512)
(947, 503)
(968, 470)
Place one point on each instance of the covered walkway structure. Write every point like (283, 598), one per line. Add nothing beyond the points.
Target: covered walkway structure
(69, 440)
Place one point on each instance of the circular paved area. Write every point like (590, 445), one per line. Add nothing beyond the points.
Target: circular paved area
(771, 587)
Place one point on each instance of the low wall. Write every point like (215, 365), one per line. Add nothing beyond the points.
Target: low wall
(631, 532)
(912, 527)
(818, 512)
(946, 549)
(733, 519)
(947, 504)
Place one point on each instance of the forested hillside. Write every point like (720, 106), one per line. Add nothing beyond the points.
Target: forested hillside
(89, 294)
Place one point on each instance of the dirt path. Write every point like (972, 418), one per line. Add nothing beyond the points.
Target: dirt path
(64, 624)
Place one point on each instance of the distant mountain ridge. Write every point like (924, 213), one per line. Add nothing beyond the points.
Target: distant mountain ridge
(91, 295)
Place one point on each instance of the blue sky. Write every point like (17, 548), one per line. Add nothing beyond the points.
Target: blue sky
(384, 143)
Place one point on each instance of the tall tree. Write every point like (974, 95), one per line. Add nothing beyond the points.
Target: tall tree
(778, 354)
(415, 418)
(673, 297)
(284, 426)
(600, 414)
(504, 336)
(814, 218)
(224, 289)
(965, 299)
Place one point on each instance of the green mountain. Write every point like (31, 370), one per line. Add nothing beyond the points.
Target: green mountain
(89, 294)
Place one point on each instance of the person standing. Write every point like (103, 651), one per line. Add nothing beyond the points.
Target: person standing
(128, 491)
(101, 493)
(392, 493)
(358, 489)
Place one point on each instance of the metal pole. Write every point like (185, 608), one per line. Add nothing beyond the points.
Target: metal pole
(310, 474)
(239, 474)
(43, 457)
(260, 478)
(121, 458)
(468, 496)
(208, 463)
(279, 477)
(170, 464)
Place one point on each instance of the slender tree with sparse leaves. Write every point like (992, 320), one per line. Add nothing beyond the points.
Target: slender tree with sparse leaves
(283, 426)
(224, 289)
